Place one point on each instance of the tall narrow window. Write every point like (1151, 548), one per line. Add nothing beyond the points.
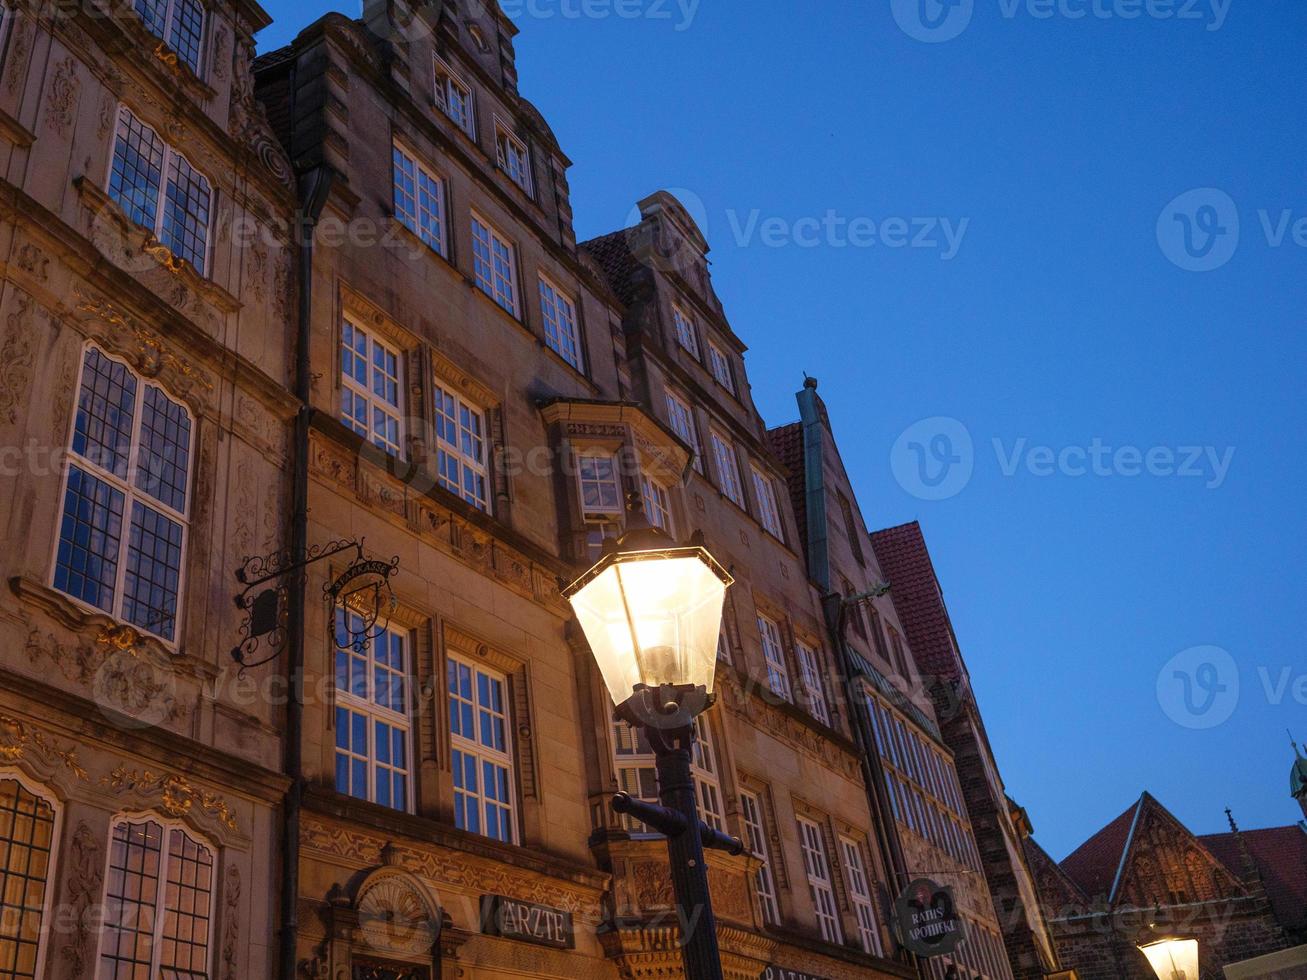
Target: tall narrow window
(855, 867)
(513, 157)
(178, 22)
(707, 782)
(637, 774)
(454, 99)
(419, 200)
(686, 335)
(769, 515)
(158, 188)
(755, 839)
(27, 830)
(813, 689)
(126, 501)
(724, 645)
(370, 389)
(562, 335)
(728, 469)
(158, 904)
(495, 263)
(372, 714)
(657, 503)
(778, 674)
(461, 454)
(900, 658)
(481, 739)
(817, 865)
(851, 530)
(720, 365)
(682, 422)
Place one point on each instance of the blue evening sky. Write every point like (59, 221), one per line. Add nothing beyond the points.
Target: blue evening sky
(1060, 320)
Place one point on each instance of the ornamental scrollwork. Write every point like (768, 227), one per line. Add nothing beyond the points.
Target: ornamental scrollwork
(177, 797)
(17, 738)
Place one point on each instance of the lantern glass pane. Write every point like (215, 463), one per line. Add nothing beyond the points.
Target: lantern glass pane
(1173, 959)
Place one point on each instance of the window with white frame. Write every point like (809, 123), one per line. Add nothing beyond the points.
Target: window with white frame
(686, 334)
(681, 418)
(122, 536)
(373, 714)
(370, 389)
(817, 865)
(855, 870)
(513, 157)
(657, 503)
(778, 674)
(637, 775)
(159, 895)
(707, 778)
(494, 261)
(755, 839)
(720, 365)
(482, 750)
(27, 849)
(769, 514)
(601, 490)
(454, 99)
(724, 645)
(178, 22)
(461, 452)
(728, 468)
(813, 689)
(159, 189)
(562, 333)
(419, 200)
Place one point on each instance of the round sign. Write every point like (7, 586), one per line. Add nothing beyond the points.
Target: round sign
(928, 919)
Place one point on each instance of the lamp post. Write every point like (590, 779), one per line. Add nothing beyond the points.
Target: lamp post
(1173, 959)
(651, 611)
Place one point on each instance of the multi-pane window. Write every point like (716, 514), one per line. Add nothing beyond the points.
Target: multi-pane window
(180, 23)
(419, 200)
(720, 365)
(27, 827)
(855, 871)
(707, 780)
(817, 865)
(728, 468)
(778, 674)
(813, 689)
(657, 503)
(372, 713)
(562, 335)
(370, 388)
(601, 491)
(686, 335)
(158, 904)
(482, 747)
(158, 188)
(455, 99)
(755, 839)
(495, 264)
(768, 512)
(682, 422)
(513, 157)
(637, 773)
(124, 526)
(461, 448)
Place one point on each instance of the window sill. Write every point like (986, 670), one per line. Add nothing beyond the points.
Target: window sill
(80, 617)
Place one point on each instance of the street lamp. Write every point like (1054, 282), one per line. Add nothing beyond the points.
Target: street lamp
(652, 613)
(1173, 959)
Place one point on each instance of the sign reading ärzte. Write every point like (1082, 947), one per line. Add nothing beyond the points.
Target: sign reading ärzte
(928, 919)
(539, 924)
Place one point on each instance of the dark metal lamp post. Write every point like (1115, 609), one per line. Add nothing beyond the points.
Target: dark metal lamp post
(652, 612)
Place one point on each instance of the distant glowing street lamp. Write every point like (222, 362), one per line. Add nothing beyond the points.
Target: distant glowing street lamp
(1173, 959)
(652, 613)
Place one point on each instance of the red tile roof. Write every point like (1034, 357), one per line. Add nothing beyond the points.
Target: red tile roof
(905, 561)
(619, 263)
(1094, 864)
(1280, 854)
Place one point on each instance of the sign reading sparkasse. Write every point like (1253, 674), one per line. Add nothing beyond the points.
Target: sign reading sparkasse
(928, 919)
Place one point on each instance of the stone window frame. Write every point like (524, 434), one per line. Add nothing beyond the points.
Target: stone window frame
(719, 365)
(685, 330)
(806, 816)
(774, 851)
(506, 141)
(49, 797)
(489, 287)
(439, 66)
(849, 839)
(401, 144)
(562, 296)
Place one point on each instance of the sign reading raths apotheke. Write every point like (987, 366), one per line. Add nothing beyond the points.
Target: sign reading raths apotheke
(927, 918)
(539, 924)
(775, 972)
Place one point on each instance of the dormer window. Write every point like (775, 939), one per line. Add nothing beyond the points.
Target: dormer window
(180, 23)
(454, 99)
(513, 157)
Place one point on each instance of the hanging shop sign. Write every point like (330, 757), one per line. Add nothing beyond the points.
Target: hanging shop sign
(927, 919)
(775, 972)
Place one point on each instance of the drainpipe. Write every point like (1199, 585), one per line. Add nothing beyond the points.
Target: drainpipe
(315, 186)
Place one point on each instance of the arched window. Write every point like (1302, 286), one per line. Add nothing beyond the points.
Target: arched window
(27, 832)
(122, 536)
(158, 899)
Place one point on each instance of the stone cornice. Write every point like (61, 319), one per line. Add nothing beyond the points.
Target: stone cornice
(648, 432)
